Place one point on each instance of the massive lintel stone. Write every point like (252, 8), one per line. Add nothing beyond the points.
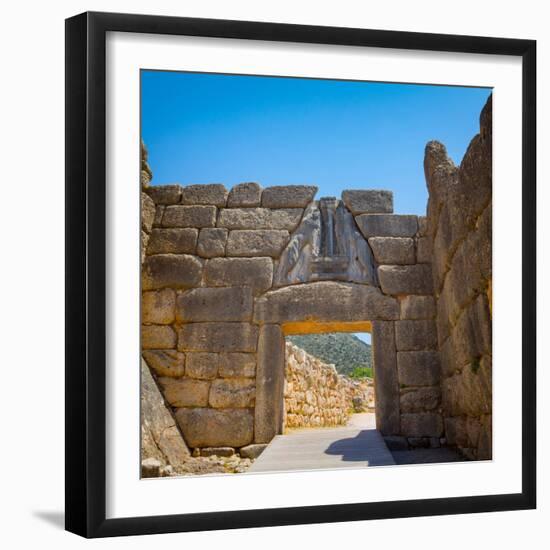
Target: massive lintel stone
(387, 225)
(368, 201)
(213, 193)
(204, 427)
(165, 194)
(246, 243)
(418, 368)
(325, 302)
(171, 270)
(260, 218)
(393, 250)
(245, 195)
(160, 435)
(215, 304)
(217, 337)
(256, 273)
(288, 196)
(189, 216)
(406, 279)
(173, 241)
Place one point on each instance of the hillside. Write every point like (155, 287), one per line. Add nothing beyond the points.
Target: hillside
(344, 350)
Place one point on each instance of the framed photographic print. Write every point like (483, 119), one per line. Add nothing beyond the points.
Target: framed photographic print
(281, 242)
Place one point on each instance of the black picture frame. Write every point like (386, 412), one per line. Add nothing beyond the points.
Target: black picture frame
(86, 275)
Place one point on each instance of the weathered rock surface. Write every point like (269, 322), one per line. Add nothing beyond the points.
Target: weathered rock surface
(215, 304)
(420, 400)
(415, 335)
(232, 393)
(148, 210)
(157, 337)
(158, 306)
(165, 362)
(202, 365)
(237, 365)
(205, 194)
(422, 424)
(260, 218)
(252, 451)
(165, 194)
(171, 270)
(173, 241)
(417, 307)
(262, 242)
(205, 427)
(371, 201)
(387, 225)
(185, 392)
(406, 279)
(256, 273)
(393, 250)
(289, 196)
(418, 368)
(160, 436)
(189, 216)
(212, 241)
(245, 195)
(217, 337)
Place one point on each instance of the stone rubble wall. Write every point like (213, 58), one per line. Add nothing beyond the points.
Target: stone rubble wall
(459, 231)
(315, 395)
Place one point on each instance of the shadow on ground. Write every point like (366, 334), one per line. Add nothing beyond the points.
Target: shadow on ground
(56, 519)
(364, 447)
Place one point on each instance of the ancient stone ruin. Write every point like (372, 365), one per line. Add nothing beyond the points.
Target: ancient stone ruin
(226, 275)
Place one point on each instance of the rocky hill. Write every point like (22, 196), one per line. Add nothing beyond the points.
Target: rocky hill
(345, 351)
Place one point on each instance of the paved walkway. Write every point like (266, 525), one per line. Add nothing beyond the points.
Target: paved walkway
(356, 445)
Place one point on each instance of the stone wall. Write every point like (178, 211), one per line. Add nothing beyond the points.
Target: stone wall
(315, 395)
(459, 230)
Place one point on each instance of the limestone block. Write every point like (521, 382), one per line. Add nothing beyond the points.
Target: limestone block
(237, 365)
(165, 362)
(157, 337)
(420, 400)
(165, 194)
(171, 270)
(406, 279)
(393, 250)
(260, 218)
(369, 201)
(422, 226)
(158, 307)
(173, 241)
(185, 392)
(214, 304)
(469, 391)
(189, 216)
(212, 242)
(217, 337)
(263, 242)
(212, 194)
(245, 194)
(308, 302)
(148, 209)
(256, 273)
(217, 451)
(422, 425)
(252, 451)
(205, 427)
(160, 436)
(159, 212)
(386, 384)
(268, 415)
(288, 196)
(415, 335)
(417, 307)
(232, 393)
(456, 431)
(424, 250)
(150, 467)
(202, 365)
(387, 225)
(418, 368)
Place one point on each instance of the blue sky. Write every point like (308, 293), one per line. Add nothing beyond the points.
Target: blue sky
(208, 128)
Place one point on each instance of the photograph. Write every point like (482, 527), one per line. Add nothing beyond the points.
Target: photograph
(316, 273)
